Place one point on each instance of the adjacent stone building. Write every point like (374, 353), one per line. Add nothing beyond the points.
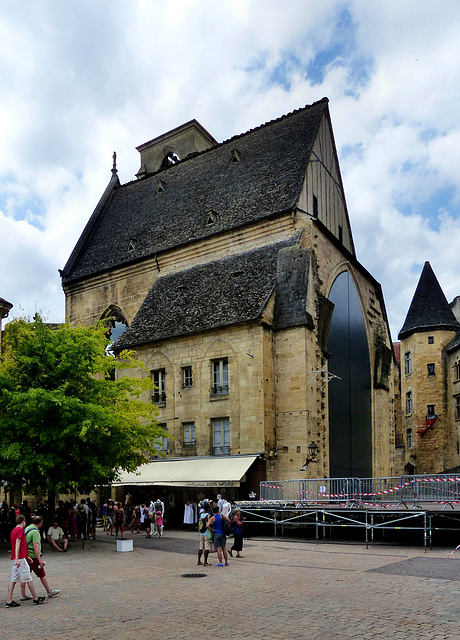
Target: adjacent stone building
(429, 428)
(231, 268)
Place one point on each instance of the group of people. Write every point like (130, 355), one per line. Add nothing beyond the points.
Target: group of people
(148, 518)
(217, 522)
(78, 520)
(26, 557)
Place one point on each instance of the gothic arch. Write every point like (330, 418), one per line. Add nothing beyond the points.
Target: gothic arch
(350, 418)
(116, 321)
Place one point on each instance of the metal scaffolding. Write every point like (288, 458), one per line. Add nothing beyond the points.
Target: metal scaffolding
(407, 491)
(321, 506)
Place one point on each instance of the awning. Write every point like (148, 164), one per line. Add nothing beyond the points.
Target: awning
(217, 471)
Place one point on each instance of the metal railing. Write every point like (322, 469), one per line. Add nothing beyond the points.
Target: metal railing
(400, 490)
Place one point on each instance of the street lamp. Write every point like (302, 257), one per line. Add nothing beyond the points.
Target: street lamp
(313, 452)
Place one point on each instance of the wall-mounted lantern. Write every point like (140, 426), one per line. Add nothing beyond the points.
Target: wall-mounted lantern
(312, 453)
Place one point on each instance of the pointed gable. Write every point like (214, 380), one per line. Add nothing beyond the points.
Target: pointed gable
(85, 239)
(429, 309)
(266, 180)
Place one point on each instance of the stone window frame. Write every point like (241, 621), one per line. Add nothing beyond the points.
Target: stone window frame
(410, 439)
(162, 443)
(409, 403)
(431, 368)
(407, 363)
(456, 369)
(219, 377)
(187, 376)
(457, 407)
(430, 410)
(189, 434)
(221, 427)
(159, 380)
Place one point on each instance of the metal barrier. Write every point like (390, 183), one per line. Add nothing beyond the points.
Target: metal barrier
(379, 492)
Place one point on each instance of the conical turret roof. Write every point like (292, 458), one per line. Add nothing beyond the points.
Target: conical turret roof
(429, 309)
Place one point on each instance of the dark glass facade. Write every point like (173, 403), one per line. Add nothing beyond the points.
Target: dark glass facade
(350, 423)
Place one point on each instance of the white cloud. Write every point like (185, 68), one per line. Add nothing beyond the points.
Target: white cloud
(80, 81)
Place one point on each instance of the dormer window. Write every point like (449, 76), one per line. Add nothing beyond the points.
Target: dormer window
(211, 217)
(131, 244)
(236, 155)
(161, 186)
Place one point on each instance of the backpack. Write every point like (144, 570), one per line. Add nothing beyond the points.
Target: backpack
(81, 514)
(202, 525)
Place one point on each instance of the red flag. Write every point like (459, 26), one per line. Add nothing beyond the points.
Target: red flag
(429, 422)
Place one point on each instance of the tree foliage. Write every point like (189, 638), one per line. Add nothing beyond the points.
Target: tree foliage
(67, 420)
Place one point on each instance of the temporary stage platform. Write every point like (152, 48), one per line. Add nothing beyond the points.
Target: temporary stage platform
(382, 508)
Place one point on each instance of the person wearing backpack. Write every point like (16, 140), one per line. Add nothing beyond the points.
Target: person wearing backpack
(205, 538)
(217, 522)
(37, 564)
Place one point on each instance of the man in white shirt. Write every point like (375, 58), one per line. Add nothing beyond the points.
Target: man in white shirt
(56, 534)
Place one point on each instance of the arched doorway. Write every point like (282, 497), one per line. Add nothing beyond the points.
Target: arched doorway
(350, 424)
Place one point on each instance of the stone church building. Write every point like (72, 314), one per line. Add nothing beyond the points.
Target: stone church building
(230, 269)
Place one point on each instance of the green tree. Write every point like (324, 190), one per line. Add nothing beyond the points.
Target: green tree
(66, 419)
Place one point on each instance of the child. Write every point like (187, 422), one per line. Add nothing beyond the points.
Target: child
(158, 522)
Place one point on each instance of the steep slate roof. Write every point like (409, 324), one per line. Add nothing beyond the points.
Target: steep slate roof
(429, 309)
(137, 221)
(220, 293)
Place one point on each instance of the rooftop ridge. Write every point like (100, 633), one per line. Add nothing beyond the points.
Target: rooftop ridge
(237, 136)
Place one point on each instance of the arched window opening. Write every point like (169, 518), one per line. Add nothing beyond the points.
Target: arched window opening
(115, 323)
(169, 160)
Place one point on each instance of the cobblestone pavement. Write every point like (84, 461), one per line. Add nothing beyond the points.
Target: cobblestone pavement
(280, 589)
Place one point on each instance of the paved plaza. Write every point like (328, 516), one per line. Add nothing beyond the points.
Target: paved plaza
(280, 589)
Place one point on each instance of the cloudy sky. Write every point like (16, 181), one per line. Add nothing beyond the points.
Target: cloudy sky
(80, 80)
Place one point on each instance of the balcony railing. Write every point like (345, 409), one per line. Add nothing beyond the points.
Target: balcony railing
(220, 451)
(219, 390)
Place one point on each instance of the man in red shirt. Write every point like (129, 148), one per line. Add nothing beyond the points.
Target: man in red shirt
(20, 569)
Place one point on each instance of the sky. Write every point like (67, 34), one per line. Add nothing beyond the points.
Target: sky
(81, 80)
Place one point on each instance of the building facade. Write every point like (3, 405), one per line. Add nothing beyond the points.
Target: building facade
(231, 268)
(429, 428)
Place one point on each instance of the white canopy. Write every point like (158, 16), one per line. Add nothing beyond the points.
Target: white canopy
(217, 471)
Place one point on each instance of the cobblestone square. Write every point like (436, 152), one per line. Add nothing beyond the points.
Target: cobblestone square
(279, 589)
